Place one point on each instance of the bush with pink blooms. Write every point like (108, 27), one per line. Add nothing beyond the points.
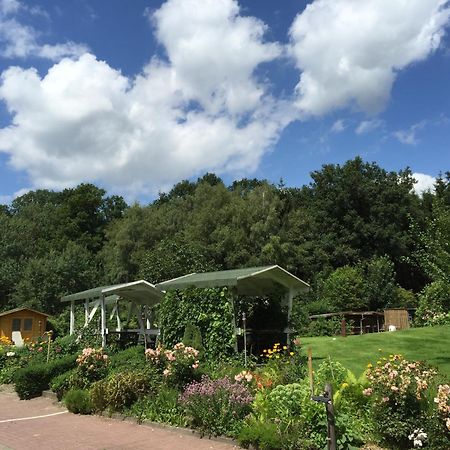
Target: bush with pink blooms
(92, 364)
(400, 402)
(179, 365)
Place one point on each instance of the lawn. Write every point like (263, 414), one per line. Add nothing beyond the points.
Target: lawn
(430, 344)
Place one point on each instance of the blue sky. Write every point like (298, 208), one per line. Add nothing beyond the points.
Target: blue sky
(137, 95)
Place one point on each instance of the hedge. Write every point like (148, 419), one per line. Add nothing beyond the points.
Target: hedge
(30, 381)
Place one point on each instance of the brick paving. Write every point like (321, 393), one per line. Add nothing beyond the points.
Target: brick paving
(72, 432)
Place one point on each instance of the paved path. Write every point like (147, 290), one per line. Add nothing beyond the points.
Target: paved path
(48, 426)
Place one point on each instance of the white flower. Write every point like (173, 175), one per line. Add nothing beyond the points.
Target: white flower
(9, 354)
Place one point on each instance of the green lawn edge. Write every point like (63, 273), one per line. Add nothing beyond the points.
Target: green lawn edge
(430, 344)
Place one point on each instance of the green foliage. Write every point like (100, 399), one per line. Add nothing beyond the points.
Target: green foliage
(78, 401)
(380, 290)
(193, 338)
(98, 394)
(332, 372)
(344, 289)
(261, 435)
(122, 389)
(172, 258)
(132, 358)
(163, 407)
(30, 381)
(208, 309)
(432, 252)
(63, 382)
(434, 304)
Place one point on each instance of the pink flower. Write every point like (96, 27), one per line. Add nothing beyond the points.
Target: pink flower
(385, 399)
(166, 372)
(194, 366)
(368, 392)
(394, 388)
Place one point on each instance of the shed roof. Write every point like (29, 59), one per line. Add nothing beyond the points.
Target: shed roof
(248, 281)
(348, 313)
(141, 292)
(12, 311)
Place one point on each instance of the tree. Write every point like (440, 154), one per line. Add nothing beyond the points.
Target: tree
(344, 290)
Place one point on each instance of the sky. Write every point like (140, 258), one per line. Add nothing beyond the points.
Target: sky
(136, 96)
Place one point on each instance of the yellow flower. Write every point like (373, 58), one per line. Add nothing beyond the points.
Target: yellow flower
(344, 385)
(284, 347)
(264, 351)
(291, 354)
(369, 366)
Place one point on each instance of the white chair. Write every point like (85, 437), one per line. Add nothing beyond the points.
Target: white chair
(17, 338)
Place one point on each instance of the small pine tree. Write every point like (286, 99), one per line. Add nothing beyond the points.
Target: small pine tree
(193, 337)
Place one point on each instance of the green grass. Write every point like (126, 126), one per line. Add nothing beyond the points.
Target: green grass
(430, 344)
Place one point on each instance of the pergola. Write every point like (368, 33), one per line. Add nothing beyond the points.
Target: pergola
(251, 281)
(140, 295)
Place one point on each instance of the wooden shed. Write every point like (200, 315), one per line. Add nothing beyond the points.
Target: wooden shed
(397, 317)
(31, 324)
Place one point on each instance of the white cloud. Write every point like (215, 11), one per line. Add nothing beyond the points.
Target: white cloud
(202, 110)
(366, 126)
(18, 40)
(338, 126)
(349, 51)
(423, 183)
(409, 136)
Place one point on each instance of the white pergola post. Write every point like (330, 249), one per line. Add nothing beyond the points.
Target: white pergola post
(103, 319)
(233, 310)
(86, 312)
(72, 318)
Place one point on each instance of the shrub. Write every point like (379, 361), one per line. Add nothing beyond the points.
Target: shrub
(123, 389)
(98, 395)
(164, 407)
(132, 358)
(332, 372)
(78, 401)
(30, 381)
(261, 435)
(398, 391)
(64, 382)
(179, 366)
(217, 407)
(434, 305)
(92, 364)
(285, 365)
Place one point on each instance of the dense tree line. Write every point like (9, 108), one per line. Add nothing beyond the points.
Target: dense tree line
(357, 233)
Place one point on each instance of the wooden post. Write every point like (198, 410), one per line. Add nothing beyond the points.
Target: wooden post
(310, 371)
(343, 328)
(49, 344)
(290, 297)
(331, 425)
(233, 307)
(72, 318)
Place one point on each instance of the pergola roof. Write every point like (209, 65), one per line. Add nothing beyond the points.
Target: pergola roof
(141, 292)
(249, 281)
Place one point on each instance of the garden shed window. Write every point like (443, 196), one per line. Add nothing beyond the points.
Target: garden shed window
(16, 324)
(27, 324)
